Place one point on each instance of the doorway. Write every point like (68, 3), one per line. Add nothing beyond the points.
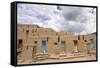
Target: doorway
(63, 48)
(91, 43)
(75, 45)
(20, 43)
(43, 47)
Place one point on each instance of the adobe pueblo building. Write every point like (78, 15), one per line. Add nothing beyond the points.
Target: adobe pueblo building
(35, 43)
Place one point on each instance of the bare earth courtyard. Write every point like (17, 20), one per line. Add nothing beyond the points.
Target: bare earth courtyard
(68, 58)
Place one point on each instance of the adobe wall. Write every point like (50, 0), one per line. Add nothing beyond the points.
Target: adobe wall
(32, 36)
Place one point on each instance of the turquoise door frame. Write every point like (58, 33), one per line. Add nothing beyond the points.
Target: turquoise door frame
(91, 44)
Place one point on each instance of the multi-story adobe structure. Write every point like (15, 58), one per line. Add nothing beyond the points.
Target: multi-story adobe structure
(33, 40)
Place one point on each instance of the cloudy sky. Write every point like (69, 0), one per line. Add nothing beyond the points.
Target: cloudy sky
(79, 20)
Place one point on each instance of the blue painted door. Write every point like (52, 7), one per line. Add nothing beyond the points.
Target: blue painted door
(43, 47)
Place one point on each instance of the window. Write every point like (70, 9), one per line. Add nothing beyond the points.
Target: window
(78, 37)
(55, 43)
(27, 31)
(58, 38)
(85, 40)
(35, 42)
(20, 41)
(75, 42)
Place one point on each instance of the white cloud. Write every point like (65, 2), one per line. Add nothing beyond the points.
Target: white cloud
(83, 32)
(80, 20)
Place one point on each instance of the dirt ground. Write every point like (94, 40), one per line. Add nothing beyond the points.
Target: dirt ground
(63, 59)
